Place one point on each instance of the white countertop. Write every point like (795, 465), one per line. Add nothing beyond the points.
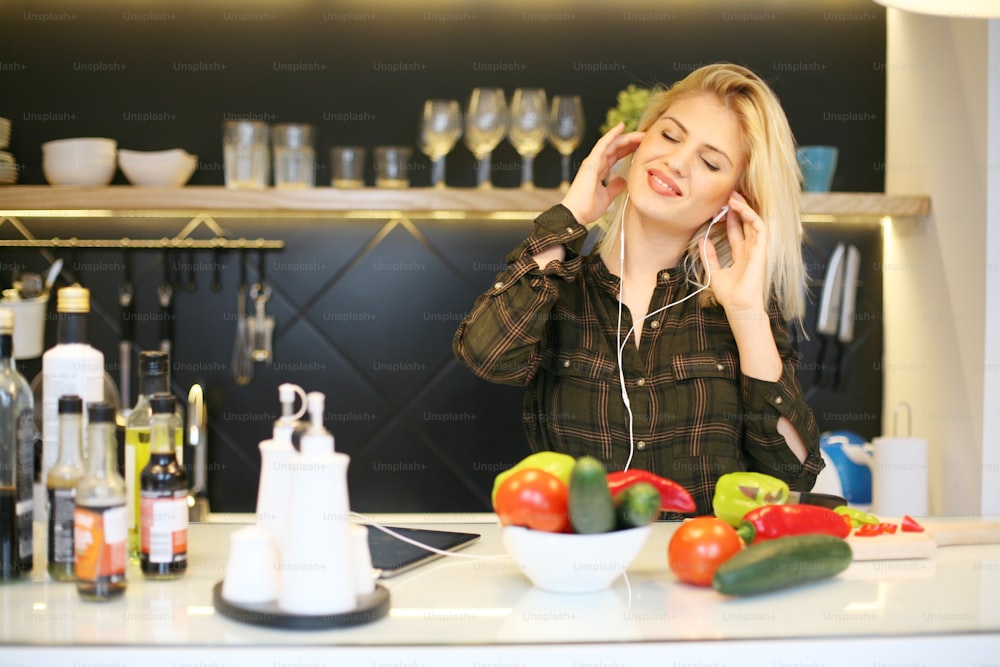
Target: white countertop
(485, 612)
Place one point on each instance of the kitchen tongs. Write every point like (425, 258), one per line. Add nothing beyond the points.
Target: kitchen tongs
(837, 306)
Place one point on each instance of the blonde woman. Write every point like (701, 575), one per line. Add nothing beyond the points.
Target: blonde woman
(666, 348)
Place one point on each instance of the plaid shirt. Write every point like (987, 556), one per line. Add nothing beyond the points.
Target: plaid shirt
(695, 416)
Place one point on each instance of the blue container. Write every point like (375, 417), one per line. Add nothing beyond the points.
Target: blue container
(818, 164)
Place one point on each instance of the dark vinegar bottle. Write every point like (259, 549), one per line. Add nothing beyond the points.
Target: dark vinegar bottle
(163, 491)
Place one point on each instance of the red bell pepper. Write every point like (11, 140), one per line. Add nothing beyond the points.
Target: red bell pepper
(911, 526)
(769, 522)
(673, 496)
(873, 529)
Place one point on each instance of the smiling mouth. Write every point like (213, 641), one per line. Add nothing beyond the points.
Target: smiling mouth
(663, 186)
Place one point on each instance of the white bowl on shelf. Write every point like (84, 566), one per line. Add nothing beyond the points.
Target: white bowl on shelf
(86, 161)
(4, 132)
(168, 168)
(572, 562)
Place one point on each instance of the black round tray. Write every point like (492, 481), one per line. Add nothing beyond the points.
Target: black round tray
(371, 607)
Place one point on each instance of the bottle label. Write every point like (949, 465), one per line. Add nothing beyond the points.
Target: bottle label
(26, 436)
(101, 551)
(62, 508)
(164, 525)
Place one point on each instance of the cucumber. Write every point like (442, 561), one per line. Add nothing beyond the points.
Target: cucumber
(782, 563)
(637, 505)
(591, 508)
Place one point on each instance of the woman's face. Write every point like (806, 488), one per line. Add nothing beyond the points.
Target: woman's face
(688, 163)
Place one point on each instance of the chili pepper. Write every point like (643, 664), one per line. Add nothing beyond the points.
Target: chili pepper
(858, 518)
(911, 526)
(673, 496)
(772, 521)
(736, 493)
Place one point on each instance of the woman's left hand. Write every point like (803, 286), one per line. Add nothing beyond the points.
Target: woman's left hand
(739, 287)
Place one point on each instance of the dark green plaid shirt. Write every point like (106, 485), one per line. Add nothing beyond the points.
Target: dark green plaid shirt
(695, 415)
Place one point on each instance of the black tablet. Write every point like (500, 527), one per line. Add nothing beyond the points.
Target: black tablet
(393, 556)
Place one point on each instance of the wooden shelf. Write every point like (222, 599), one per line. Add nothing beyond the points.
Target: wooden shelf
(42, 200)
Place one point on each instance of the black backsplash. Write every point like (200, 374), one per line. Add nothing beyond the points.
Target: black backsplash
(366, 308)
(365, 312)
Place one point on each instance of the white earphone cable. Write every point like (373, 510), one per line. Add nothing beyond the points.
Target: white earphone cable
(621, 298)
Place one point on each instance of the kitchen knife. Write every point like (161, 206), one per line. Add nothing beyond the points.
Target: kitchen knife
(827, 321)
(848, 300)
(945, 533)
(827, 500)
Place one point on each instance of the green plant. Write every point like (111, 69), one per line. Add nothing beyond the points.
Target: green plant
(631, 103)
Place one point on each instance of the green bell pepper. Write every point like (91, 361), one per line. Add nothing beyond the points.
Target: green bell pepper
(736, 493)
(858, 518)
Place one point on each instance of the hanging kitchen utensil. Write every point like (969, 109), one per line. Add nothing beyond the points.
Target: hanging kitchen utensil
(262, 325)
(217, 269)
(165, 294)
(837, 307)
(242, 361)
(125, 293)
(828, 317)
(848, 301)
(191, 284)
(197, 431)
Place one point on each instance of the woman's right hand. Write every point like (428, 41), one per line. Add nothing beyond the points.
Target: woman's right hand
(591, 193)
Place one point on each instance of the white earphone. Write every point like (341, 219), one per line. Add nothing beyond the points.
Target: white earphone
(621, 298)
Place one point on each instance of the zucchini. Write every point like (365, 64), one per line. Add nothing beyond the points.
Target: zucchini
(782, 563)
(637, 505)
(591, 508)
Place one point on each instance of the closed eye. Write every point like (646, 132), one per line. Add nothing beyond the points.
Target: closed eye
(711, 167)
(669, 138)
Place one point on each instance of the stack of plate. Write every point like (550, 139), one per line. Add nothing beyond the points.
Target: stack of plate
(8, 168)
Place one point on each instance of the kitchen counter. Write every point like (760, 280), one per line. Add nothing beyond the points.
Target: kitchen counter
(483, 611)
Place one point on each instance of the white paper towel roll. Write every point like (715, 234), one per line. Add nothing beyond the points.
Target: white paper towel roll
(899, 476)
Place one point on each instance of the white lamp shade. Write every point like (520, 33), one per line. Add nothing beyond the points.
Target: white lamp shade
(973, 9)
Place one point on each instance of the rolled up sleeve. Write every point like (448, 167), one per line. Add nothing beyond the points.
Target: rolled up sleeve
(764, 404)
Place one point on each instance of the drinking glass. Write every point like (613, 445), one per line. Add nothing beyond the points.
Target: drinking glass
(566, 129)
(294, 155)
(245, 157)
(485, 127)
(440, 128)
(529, 125)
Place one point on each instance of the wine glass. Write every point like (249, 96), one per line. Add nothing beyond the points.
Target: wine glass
(566, 129)
(440, 128)
(529, 125)
(485, 127)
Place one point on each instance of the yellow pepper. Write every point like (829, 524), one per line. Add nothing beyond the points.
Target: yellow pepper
(858, 518)
(555, 463)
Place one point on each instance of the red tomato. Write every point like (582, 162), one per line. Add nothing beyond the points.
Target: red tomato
(535, 499)
(699, 546)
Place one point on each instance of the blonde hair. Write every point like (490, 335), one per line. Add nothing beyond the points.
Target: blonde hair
(770, 182)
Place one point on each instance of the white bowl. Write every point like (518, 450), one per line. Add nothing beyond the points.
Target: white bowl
(88, 161)
(571, 562)
(169, 168)
(82, 147)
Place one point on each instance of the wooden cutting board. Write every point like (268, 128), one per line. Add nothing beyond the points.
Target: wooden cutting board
(937, 534)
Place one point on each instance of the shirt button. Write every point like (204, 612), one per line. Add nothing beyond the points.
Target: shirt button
(655, 324)
(569, 230)
(720, 367)
(777, 400)
(498, 284)
(566, 363)
(641, 382)
(641, 445)
(665, 275)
